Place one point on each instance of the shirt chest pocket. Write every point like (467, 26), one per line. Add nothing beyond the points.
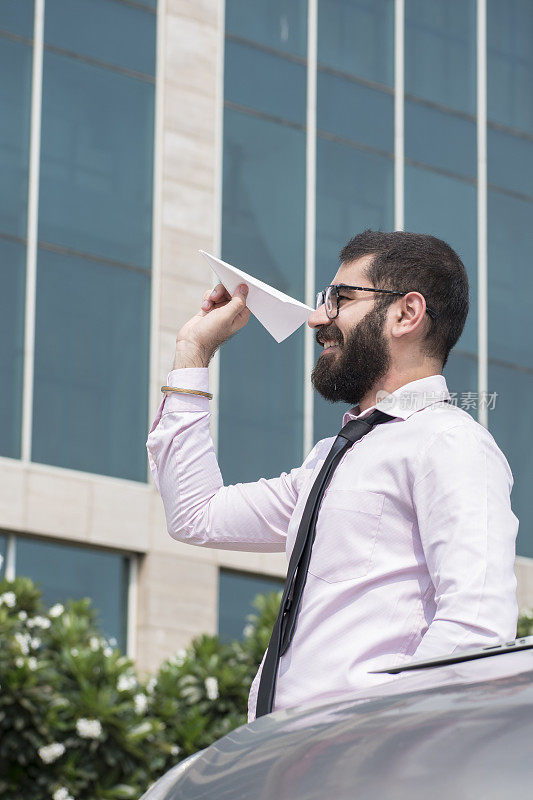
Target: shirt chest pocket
(346, 534)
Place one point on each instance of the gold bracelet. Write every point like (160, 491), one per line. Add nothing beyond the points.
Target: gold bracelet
(186, 391)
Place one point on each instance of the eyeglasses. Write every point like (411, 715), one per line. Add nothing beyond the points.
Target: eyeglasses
(332, 296)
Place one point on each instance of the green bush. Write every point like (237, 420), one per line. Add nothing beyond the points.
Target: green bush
(201, 693)
(525, 623)
(72, 722)
(77, 722)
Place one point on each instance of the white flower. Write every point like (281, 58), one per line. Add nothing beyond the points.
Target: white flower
(62, 794)
(23, 616)
(9, 599)
(89, 728)
(126, 683)
(107, 645)
(142, 729)
(211, 687)
(32, 662)
(39, 622)
(19, 662)
(94, 643)
(51, 752)
(74, 652)
(35, 643)
(175, 750)
(56, 610)
(150, 686)
(24, 640)
(141, 701)
(247, 631)
(180, 657)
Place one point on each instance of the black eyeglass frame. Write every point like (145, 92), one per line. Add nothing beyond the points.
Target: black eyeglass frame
(321, 296)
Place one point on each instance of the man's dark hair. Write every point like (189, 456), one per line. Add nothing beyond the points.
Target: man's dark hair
(417, 262)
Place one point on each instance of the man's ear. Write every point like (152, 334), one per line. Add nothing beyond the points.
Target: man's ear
(409, 313)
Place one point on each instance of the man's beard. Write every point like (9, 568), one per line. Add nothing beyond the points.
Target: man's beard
(349, 374)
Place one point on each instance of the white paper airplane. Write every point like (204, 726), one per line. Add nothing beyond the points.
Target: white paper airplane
(280, 314)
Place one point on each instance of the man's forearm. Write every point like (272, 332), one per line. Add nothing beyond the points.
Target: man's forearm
(199, 509)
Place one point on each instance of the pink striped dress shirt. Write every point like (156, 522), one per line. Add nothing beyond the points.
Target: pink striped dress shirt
(415, 539)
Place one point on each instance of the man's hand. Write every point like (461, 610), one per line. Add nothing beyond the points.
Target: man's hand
(220, 316)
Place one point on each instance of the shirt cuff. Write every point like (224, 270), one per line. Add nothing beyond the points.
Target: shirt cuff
(187, 378)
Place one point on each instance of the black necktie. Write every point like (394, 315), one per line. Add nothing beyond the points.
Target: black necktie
(285, 624)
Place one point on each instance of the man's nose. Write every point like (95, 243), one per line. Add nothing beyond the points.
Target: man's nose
(318, 317)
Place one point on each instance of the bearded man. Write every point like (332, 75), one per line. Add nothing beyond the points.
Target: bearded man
(410, 552)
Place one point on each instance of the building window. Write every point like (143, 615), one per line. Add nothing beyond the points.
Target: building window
(263, 230)
(16, 30)
(236, 593)
(69, 572)
(95, 230)
(92, 305)
(510, 242)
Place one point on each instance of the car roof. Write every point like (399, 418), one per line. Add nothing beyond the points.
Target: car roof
(462, 729)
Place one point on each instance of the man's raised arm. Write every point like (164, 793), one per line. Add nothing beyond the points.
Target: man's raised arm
(199, 509)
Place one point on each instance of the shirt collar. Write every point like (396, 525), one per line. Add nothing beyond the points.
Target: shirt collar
(405, 401)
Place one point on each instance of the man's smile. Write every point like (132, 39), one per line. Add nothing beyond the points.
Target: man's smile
(327, 344)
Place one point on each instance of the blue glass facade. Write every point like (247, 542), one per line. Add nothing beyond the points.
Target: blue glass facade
(264, 196)
(263, 224)
(355, 141)
(441, 149)
(82, 417)
(66, 572)
(236, 593)
(16, 16)
(92, 311)
(16, 25)
(510, 241)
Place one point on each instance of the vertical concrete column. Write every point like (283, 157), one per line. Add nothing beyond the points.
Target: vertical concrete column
(177, 588)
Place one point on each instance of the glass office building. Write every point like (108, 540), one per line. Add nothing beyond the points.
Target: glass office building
(135, 132)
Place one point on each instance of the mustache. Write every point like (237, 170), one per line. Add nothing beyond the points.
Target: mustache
(327, 335)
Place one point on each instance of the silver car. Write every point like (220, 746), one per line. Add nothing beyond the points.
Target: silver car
(458, 727)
